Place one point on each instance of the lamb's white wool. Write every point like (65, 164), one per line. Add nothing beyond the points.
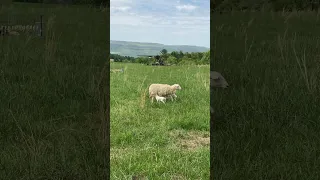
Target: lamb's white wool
(163, 90)
(217, 80)
(161, 99)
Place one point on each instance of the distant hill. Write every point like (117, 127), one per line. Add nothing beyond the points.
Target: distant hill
(127, 48)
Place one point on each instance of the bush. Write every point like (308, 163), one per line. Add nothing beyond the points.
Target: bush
(187, 61)
(142, 60)
(172, 60)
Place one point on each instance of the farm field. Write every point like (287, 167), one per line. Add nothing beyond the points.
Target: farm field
(159, 141)
(50, 123)
(267, 123)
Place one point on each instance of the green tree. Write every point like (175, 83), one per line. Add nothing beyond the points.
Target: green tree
(163, 52)
(119, 58)
(180, 54)
(195, 56)
(172, 60)
(142, 60)
(163, 55)
(175, 54)
(205, 58)
(187, 61)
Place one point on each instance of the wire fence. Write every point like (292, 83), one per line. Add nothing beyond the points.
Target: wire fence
(34, 26)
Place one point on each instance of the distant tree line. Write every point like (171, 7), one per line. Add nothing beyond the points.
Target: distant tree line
(119, 58)
(92, 2)
(276, 5)
(175, 57)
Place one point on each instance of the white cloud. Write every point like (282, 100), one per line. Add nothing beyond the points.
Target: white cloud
(120, 8)
(166, 22)
(179, 33)
(186, 7)
(113, 2)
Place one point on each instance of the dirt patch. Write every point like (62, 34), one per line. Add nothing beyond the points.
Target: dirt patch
(191, 140)
(177, 177)
(139, 177)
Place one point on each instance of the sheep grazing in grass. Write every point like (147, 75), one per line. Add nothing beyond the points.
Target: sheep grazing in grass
(217, 80)
(160, 99)
(173, 96)
(163, 90)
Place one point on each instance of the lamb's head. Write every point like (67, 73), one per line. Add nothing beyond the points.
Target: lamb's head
(217, 80)
(176, 86)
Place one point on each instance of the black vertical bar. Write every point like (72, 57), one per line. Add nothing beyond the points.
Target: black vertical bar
(41, 25)
(213, 6)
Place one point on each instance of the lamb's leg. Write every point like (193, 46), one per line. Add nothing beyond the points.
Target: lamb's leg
(152, 99)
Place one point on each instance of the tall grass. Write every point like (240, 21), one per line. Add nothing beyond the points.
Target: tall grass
(51, 125)
(267, 123)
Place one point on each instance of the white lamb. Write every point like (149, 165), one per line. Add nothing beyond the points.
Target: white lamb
(161, 99)
(163, 90)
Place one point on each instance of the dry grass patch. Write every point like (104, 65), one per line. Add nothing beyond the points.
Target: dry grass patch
(116, 153)
(191, 140)
(178, 177)
(139, 177)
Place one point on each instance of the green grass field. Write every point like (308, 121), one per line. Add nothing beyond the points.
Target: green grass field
(50, 123)
(159, 141)
(267, 124)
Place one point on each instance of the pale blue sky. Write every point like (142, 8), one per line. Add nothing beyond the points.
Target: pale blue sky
(170, 22)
